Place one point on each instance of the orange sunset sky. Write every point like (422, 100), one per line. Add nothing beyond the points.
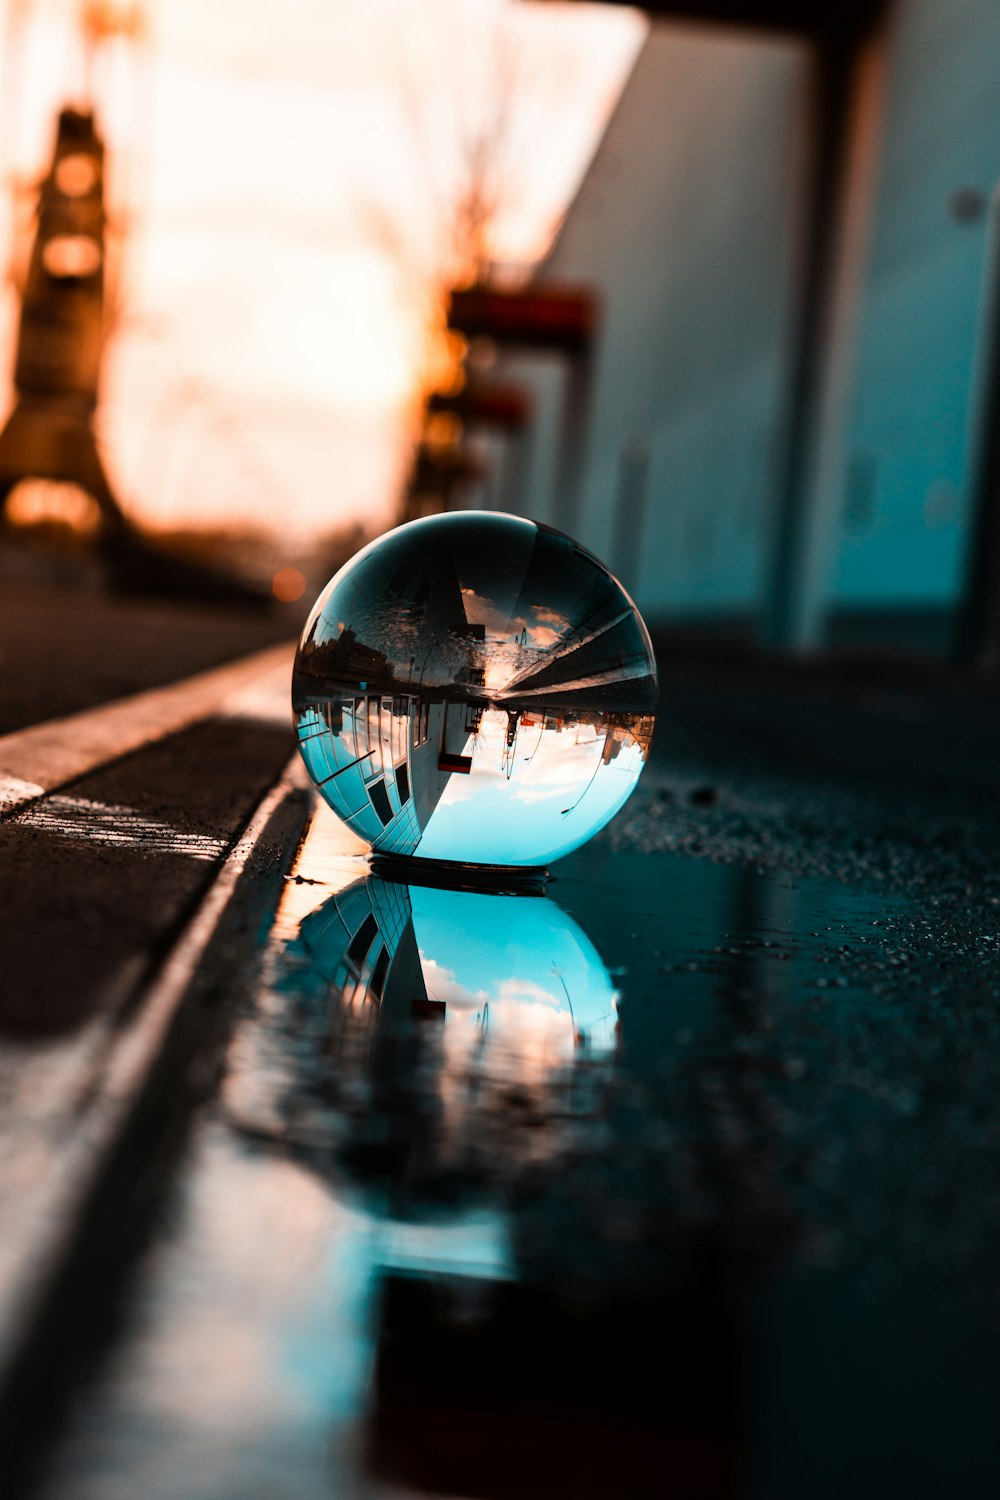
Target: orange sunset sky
(283, 167)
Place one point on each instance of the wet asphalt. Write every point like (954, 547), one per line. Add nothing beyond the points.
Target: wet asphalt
(782, 1220)
(66, 649)
(779, 1224)
(96, 880)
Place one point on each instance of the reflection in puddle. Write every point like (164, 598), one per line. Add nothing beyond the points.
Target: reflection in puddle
(555, 1240)
(429, 1030)
(450, 1063)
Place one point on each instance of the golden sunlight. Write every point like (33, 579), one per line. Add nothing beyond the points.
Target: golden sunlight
(56, 507)
(289, 196)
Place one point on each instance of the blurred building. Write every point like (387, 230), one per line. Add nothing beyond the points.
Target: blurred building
(785, 424)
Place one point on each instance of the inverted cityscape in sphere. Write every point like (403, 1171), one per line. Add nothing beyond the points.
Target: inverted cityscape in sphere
(475, 688)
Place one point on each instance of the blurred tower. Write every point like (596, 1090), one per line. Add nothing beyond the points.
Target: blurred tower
(50, 433)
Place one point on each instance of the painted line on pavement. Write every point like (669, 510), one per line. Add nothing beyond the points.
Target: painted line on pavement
(81, 1095)
(47, 756)
(115, 826)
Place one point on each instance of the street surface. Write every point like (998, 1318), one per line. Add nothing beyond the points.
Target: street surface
(64, 650)
(750, 1244)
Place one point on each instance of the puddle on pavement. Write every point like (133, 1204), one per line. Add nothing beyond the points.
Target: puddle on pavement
(479, 1159)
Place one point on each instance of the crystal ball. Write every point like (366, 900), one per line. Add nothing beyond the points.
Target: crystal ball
(476, 688)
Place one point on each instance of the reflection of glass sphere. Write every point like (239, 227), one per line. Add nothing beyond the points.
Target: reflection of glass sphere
(435, 1041)
(477, 688)
(514, 971)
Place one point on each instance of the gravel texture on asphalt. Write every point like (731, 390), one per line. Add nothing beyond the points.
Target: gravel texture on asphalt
(797, 1140)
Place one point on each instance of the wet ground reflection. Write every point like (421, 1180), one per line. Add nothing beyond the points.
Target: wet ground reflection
(430, 1039)
(678, 1201)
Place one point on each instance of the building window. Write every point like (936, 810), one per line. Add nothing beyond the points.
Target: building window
(400, 725)
(362, 940)
(380, 801)
(374, 738)
(360, 733)
(379, 973)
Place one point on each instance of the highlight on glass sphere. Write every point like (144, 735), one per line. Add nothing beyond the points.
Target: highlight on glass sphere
(475, 688)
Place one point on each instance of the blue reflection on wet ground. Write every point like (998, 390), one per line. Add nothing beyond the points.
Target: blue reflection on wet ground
(668, 1186)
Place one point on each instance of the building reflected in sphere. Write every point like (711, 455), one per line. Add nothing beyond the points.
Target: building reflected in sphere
(475, 688)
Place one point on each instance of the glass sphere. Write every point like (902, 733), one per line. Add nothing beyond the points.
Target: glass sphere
(476, 688)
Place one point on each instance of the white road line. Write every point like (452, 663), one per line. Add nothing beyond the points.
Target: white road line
(46, 756)
(118, 827)
(14, 792)
(52, 1153)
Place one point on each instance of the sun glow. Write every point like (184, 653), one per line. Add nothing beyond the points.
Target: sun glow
(60, 508)
(280, 177)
